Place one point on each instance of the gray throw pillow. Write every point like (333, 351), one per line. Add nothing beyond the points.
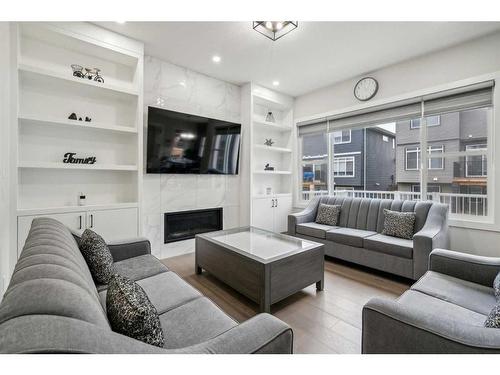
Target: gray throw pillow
(98, 257)
(328, 214)
(496, 286)
(493, 319)
(131, 313)
(399, 224)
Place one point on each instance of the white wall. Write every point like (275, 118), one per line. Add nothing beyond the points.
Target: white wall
(480, 56)
(173, 87)
(4, 155)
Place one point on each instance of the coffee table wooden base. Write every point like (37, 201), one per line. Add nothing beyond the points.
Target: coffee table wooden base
(263, 282)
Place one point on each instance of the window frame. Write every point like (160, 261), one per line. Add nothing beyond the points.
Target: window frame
(413, 122)
(429, 157)
(337, 160)
(342, 142)
(484, 159)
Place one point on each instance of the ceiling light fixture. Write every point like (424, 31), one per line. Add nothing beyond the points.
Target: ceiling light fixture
(276, 83)
(216, 59)
(274, 29)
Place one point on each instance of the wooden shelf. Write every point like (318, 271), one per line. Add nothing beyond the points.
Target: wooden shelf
(273, 172)
(29, 69)
(47, 121)
(63, 209)
(272, 125)
(273, 148)
(59, 165)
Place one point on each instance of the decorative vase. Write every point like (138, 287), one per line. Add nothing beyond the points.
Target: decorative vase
(269, 117)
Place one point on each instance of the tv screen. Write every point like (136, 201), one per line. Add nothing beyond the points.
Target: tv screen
(182, 143)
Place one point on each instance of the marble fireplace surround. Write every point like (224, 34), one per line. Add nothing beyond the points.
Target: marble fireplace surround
(179, 89)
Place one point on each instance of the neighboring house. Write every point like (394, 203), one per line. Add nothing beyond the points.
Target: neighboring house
(449, 132)
(350, 169)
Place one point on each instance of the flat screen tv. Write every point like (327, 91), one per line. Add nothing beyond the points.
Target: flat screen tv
(183, 143)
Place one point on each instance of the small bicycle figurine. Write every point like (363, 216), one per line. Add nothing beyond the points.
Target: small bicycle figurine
(90, 74)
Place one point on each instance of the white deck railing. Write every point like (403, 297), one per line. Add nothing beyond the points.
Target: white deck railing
(460, 204)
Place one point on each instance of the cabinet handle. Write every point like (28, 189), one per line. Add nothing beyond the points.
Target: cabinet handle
(272, 200)
(92, 220)
(276, 202)
(80, 221)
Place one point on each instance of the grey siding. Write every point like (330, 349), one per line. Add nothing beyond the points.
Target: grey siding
(380, 161)
(355, 146)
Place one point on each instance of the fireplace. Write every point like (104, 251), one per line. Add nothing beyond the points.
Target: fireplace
(183, 225)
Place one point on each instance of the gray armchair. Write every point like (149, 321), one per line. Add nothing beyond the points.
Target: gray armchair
(443, 312)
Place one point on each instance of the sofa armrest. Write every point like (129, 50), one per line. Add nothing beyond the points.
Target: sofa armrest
(262, 334)
(390, 327)
(307, 215)
(477, 269)
(121, 250)
(433, 235)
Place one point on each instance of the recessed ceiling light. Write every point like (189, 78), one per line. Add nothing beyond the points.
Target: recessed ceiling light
(276, 83)
(216, 59)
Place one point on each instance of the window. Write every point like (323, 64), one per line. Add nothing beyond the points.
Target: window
(430, 188)
(475, 165)
(343, 166)
(413, 158)
(341, 136)
(431, 121)
(385, 138)
(314, 166)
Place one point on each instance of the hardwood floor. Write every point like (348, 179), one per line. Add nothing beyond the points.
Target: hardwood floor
(323, 322)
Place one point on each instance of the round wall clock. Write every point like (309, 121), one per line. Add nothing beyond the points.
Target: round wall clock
(366, 88)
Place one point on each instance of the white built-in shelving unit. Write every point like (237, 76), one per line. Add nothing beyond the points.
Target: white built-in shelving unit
(270, 191)
(47, 93)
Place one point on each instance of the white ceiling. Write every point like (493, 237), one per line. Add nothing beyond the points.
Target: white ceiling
(314, 55)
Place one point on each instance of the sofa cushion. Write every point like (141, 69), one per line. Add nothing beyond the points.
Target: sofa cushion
(431, 308)
(399, 224)
(493, 318)
(475, 297)
(389, 245)
(97, 255)
(173, 292)
(328, 214)
(131, 313)
(194, 322)
(137, 268)
(314, 229)
(496, 286)
(349, 236)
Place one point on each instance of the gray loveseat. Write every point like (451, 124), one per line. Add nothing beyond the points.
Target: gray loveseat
(444, 312)
(53, 306)
(358, 238)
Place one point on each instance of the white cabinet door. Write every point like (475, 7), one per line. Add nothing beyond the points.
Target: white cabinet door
(73, 220)
(281, 212)
(263, 213)
(113, 225)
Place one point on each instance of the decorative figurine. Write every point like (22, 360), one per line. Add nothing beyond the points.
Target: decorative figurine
(87, 119)
(88, 73)
(270, 117)
(79, 119)
(72, 116)
(77, 70)
(98, 78)
(268, 168)
(269, 142)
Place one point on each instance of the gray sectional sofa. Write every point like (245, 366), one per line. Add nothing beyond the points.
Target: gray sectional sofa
(444, 312)
(358, 238)
(53, 306)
